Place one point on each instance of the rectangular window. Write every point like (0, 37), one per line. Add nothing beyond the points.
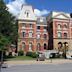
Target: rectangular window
(30, 34)
(23, 34)
(23, 25)
(38, 27)
(45, 27)
(59, 34)
(45, 36)
(30, 25)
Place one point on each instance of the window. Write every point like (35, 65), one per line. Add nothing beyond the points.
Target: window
(38, 46)
(38, 27)
(65, 35)
(30, 25)
(23, 34)
(59, 26)
(45, 36)
(45, 46)
(30, 46)
(59, 34)
(30, 34)
(65, 26)
(23, 45)
(45, 27)
(23, 25)
(27, 13)
(38, 36)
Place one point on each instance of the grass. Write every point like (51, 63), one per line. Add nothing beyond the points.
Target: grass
(20, 58)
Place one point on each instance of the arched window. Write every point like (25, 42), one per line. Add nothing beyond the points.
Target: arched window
(38, 36)
(30, 46)
(38, 46)
(45, 46)
(59, 26)
(65, 26)
(65, 35)
(45, 36)
(23, 46)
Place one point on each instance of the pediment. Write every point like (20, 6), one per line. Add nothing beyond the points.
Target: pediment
(61, 16)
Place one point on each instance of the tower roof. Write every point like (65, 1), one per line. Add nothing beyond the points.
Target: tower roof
(27, 13)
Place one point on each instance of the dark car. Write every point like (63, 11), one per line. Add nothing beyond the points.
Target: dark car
(41, 57)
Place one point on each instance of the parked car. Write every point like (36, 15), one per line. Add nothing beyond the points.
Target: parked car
(4, 65)
(54, 55)
(51, 54)
(41, 57)
(69, 54)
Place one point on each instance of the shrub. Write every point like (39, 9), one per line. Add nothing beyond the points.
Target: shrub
(32, 54)
(20, 53)
(29, 54)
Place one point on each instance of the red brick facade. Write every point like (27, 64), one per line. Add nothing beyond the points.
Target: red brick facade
(59, 25)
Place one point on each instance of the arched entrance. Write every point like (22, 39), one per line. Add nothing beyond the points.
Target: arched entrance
(60, 46)
(66, 46)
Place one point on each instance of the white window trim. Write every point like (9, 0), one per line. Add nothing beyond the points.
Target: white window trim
(30, 34)
(30, 48)
(57, 34)
(64, 27)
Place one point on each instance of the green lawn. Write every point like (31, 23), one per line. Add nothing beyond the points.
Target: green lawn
(21, 58)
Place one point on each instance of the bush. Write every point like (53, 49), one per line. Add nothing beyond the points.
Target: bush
(29, 54)
(32, 54)
(20, 53)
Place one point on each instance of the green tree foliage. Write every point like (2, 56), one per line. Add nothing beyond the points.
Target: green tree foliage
(8, 25)
(4, 43)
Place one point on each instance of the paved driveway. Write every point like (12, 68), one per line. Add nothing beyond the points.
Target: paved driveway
(40, 68)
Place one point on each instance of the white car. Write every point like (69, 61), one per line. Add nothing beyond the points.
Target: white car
(69, 54)
(4, 65)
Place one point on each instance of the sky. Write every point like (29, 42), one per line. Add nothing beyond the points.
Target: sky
(41, 7)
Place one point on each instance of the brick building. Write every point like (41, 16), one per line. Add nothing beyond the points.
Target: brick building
(60, 30)
(43, 33)
(32, 31)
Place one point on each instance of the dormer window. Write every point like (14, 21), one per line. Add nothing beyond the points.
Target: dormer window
(27, 13)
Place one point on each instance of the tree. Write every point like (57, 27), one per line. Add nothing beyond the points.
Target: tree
(8, 26)
(4, 42)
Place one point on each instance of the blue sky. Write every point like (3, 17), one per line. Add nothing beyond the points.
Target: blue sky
(45, 6)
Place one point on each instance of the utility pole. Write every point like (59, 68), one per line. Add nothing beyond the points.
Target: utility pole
(1, 60)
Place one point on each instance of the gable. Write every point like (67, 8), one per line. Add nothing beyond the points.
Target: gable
(61, 15)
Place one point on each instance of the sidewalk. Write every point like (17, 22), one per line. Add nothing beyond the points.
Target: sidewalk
(53, 61)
